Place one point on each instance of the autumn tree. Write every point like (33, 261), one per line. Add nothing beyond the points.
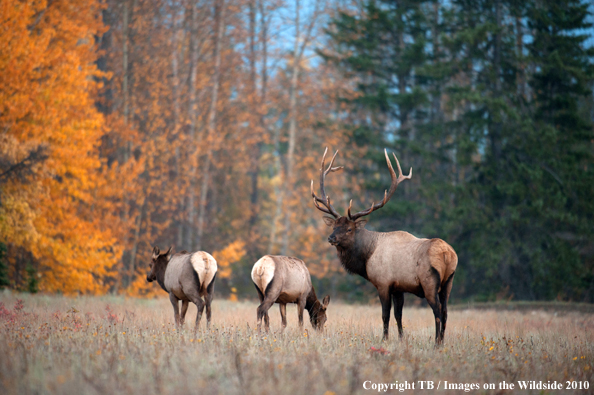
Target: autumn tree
(50, 212)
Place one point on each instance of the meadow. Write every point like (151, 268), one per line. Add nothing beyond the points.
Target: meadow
(113, 345)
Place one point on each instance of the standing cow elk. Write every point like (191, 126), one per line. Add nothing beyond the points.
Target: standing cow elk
(394, 262)
(282, 280)
(188, 277)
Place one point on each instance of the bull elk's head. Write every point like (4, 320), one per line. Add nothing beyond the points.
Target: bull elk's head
(345, 228)
(158, 261)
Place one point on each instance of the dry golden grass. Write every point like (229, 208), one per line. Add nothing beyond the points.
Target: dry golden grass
(110, 345)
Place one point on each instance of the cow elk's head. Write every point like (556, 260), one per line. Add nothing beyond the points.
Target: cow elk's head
(318, 314)
(159, 261)
(345, 228)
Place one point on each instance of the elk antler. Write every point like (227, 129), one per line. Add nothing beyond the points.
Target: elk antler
(387, 194)
(325, 200)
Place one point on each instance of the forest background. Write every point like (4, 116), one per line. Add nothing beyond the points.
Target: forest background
(200, 123)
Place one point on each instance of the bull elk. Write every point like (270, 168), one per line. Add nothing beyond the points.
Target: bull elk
(394, 262)
(282, 280)
(188, 277)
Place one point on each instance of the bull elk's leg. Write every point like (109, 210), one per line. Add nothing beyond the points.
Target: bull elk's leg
(398, 298)
(184, 310)
(384, 295)
(283, 313)
(444, 296)
(433, 301)
(175, 303)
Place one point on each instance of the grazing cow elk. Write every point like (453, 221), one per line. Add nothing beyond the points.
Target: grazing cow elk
(394, 262)
(188, 277)
(282, 280)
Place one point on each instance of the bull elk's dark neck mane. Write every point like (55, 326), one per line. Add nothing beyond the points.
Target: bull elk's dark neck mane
(160, 267)
(354, 259)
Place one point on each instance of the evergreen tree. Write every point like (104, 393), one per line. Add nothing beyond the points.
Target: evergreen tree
(32, 280)
(562, 150)
(3, 267)
(496, 129)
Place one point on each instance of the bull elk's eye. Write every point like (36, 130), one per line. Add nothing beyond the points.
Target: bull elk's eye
(349, 230)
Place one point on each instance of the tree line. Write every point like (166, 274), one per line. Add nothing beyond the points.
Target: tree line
(200, 123)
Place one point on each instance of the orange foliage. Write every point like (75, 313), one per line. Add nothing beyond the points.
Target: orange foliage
(229, 255)
(119, 180)
(47, 90)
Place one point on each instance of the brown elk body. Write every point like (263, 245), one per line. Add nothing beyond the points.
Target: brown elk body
(188, 277)
(282, 280)
(394, 262)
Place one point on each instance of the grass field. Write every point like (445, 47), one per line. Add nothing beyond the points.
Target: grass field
(110, 345)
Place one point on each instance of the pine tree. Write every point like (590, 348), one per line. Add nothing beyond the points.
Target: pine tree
(562, 148)
(4, 282)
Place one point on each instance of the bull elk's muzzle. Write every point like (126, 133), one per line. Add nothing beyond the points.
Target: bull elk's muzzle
(149, 279)
(332, 240)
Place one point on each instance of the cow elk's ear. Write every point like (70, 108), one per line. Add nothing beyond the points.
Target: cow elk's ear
(169, 253)
(361, 223)
(326, 301)
(329, 221)
(156, 252)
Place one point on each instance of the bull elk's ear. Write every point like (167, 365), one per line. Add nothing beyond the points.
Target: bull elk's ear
(169, 253)
(361, 223)
(326, 301)
(156, 252)
(329, 221)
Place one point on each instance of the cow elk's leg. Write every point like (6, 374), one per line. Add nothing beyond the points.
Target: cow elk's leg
(175, 303)
(444, 296)
(300, 308)
(200, 305)
(195, 298)
(386, 301)
(184, 310)
(208, 301)
(283, 313)
(267, 321)
(398, 298)
(263, 312)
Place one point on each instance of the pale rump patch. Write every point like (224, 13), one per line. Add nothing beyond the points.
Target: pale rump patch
(443, 259)
(263, 272)
(205, 266)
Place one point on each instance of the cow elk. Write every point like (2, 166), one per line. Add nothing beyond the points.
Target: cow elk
(188, 277)
(394, 262)
(282, 280)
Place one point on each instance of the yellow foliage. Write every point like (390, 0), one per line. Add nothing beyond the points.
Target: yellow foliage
(47, 93)
(232, 253)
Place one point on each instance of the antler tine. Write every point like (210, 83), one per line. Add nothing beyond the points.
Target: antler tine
(400, 175)
(325, 200)
(387, 194)
(331, 169)
(320, 208)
